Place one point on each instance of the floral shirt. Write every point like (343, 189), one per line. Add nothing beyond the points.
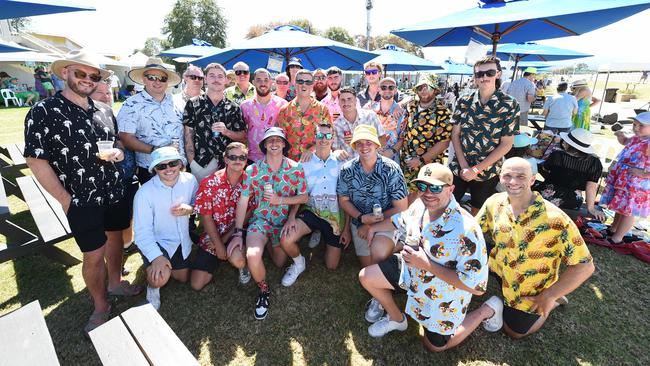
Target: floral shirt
(65, 135)
(393, 123)
(300, 127)
(287, 181)
(382, 186)
(152, 122)
(332, 104)
(424, 128)
(259, 118)
(526, 251)
(236, 95)
(199, 115)
(365, 100)
(481, 128)
(218, 198)
(321, 178)
(455, 241)
(343, 128)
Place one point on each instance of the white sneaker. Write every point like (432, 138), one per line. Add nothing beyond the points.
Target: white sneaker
(153, 296)
(374, 310)
(494, 323)
(314, 240)
(293, 272)
(244, 276)
(385, 325)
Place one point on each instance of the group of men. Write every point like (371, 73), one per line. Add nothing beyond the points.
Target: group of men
(263, 172)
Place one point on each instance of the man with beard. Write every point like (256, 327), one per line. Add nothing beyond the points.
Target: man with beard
(373, 72)
(331, 101)
(261, 112)
(243, 89)
(193, 78)
(391, 116)
(320, 84)
(61, 136)
(211, 123)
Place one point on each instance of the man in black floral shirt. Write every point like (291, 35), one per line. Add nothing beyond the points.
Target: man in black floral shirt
(61, 146)
(211, 123)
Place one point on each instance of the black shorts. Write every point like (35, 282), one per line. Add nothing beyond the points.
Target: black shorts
(177, 261)
(204, 261)
(517, 320)
(437, 339)
(89, 224)
(316, 223)
(143, 175)
(479, 191)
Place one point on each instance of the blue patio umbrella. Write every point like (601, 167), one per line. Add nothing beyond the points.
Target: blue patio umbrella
(27, 8)
(280, 44)
(198, 48)
(397, 59)
(535, 52)
(516, 21)
(450, 68)
(6, 47)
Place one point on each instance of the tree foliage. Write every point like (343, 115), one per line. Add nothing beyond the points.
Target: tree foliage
(381, 41)
(19, 24)
(259, 29)
(202, 19)
(338, 34)
(154, 45)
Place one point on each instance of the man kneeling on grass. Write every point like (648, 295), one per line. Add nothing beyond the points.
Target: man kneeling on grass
(161, 212)
(216, 202)
(529, 238)
(443, 263)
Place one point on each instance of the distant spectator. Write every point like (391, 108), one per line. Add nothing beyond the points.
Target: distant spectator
(524, 91)
(115, 85)
(59, 84)
(45, 79)
(581, 91)
(559, 110)
(25, 96)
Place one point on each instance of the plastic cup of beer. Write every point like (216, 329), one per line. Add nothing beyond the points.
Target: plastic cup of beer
(104, 148)
(268, 188)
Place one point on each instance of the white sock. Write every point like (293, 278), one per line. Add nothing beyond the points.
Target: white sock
(153, 293)
(299, 260)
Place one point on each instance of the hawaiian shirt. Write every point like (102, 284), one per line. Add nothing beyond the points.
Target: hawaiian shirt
(66, 135)
(454, 241)
(300, 127)
(332, 104)
(235, 94)
(382, 186)
(482, 127)
(199, 115)
(526, 251)
(424, 128)
(343, 127)
(259, 118)
(152, 122)
(321, 178)
(287, 181)
(365, 100)
(218, 198)
(392, 122)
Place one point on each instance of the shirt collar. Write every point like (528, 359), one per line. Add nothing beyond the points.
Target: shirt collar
(494, 98)
(452, 208)
(151, 99)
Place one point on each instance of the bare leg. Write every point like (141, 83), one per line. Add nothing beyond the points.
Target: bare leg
(332, 257)
(199, 279)
(365, 261)
(381, 248)
(94, 274)
(624, 225)
(373, 280)
(114, 248)
(538, 324)
(237, 258)
(254, 249)
(289, 243)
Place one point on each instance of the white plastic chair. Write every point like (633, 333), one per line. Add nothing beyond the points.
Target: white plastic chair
(9, 96)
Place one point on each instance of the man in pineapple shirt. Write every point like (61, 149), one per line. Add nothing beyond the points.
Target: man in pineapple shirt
(527, 239)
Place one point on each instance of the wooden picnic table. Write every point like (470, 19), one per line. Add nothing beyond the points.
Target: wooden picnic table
(535, 119)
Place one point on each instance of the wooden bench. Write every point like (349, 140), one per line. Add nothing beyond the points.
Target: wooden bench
(50, 221)
(24, 338)
(139, 336)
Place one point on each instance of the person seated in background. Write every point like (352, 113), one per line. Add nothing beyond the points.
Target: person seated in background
(4, 79)
(559, 110)
(161, 212)
(25, 96)
(45, 79)
(572, 168)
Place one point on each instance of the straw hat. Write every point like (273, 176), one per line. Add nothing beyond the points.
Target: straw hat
(78, 57)
(365, 132)
(436, 174)
(580, 139)
(579, 83)
(155, 63)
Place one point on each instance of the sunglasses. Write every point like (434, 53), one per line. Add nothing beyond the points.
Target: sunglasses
(195, 77)
(302, 81)
(326, 136)
(320, 77)
(489, 73)
(95, 78)
(422, 88)
(162, 79)
(241, 72)
(237, 157)
(388, 87)
(433, 188)
(282, 82)
(372, 72)
(171, 164)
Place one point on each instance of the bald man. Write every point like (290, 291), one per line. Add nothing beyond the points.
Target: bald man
(527, 239)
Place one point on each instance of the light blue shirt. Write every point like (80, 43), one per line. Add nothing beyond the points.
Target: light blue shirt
(322, 177)
(560, 110)
(152, 122)
(153, 223)
(520, 89)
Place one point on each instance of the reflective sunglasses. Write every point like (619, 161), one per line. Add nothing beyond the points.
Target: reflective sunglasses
(237, 157)
(195, 77)
(162, 79)
(320, 77)
(372, 72)
(422, 88)
(433, 188)
(302, 81)
(282, 82)
(241, 72)
(388, 87)
(171, 164)
(490, 73)
(95, 78)
(326, 136)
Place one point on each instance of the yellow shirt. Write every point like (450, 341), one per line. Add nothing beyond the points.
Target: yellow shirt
(527, 250)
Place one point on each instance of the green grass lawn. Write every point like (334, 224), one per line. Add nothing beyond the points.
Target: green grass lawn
(320, 321)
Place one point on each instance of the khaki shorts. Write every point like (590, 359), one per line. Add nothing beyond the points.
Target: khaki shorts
(361, 245)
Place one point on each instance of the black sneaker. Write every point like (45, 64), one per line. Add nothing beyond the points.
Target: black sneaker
(262, 306)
